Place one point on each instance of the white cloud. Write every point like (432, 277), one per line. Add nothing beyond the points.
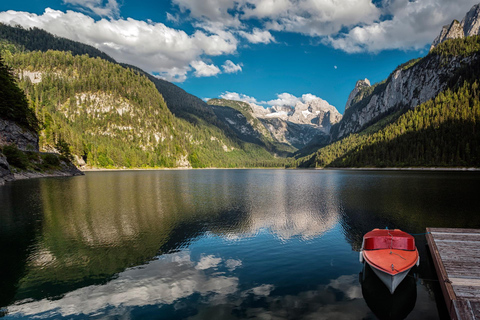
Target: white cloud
(211, 10)
(309, 97)
(172, 18)
(110, 9)
(311, 17)
(263, 290)
(284, 99)
(232, 264)
(414, 25)
(204, 70)
(258, 36)
(230, 67)
(240, 97)
(208, 262)
(151, 46)
(348, 25)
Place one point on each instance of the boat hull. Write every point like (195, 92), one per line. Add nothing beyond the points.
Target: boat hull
(391, 281)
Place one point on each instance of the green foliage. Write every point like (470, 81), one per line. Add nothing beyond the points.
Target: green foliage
(407, 65)
(64, 149)
(13, 103)
(16, 157)
(463, 47)
(51, 160)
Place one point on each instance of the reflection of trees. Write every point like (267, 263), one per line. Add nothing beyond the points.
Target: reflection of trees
(18, 224)
(410, 201)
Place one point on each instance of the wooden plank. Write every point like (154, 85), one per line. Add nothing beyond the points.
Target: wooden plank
(466, 292)
(461, 310)
(465, 282)
(461, 269)
(456, 236)
(456, 256)
(447, 289)
(451, 252)
(454, 230)
(475, 305)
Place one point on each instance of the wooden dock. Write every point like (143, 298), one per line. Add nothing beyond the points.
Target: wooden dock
(456, 255)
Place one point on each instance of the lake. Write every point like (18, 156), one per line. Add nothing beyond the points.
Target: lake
(221, 244)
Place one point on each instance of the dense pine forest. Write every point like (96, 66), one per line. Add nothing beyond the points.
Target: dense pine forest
(112, 116)
(439, 133)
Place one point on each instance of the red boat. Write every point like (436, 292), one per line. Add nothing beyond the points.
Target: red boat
(391, 254)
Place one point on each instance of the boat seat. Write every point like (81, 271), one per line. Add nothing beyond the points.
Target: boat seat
(388, 239)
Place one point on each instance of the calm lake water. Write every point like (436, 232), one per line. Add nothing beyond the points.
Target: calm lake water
(221, 244)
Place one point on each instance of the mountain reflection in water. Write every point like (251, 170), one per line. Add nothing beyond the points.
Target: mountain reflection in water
(212, 243)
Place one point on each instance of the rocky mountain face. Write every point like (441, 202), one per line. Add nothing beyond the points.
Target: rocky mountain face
(406, 87)
(361, 84)
(11, 133)
(295, 126)
(24, 139)
(470, 26)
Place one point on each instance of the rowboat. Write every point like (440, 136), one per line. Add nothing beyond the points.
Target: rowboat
(391, 254)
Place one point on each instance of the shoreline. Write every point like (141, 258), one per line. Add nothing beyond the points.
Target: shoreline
(463, 169)
(454, 169)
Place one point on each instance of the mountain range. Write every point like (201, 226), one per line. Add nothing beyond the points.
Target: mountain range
(107, 114)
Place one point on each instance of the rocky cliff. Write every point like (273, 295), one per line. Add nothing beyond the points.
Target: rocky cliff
(359, 86)
(24, 139)
(408, 86)
(470, 26)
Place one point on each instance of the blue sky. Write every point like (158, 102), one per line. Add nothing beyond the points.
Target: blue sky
(261, 51)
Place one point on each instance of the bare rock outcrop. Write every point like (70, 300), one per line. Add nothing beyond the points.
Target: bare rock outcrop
(470, 26)
(359, 86)
(406, 87)
(11, 133)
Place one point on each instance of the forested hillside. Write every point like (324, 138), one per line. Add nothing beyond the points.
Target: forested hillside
(442, 132)
(111, 116)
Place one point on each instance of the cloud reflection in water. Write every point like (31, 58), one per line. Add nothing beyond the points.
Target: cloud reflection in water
(163, 281)
(209, 286)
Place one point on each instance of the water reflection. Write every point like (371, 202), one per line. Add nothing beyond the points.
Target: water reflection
(384, 305)
(213, 243)
(95, 227)
(20, 220)
(166, 280)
